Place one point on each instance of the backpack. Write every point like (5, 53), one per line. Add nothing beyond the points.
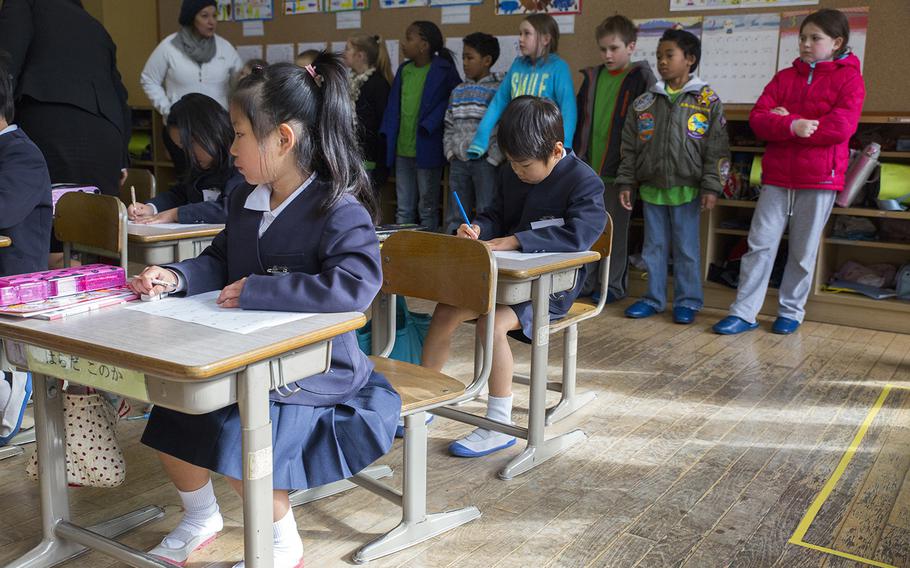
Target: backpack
(902, 282)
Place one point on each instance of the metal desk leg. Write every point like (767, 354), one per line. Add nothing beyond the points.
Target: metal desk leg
(379, 322)
(253, 400)
(539, 449)
(309, 495)
(51, 477)
(56, 545)
(10, 452)
(570, 401)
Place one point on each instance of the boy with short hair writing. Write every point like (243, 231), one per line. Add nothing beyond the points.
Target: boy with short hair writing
(547, 201)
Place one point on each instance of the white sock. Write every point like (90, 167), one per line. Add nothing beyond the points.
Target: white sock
(287, 544)
(499, 408)
(201, 515)
(12, 398)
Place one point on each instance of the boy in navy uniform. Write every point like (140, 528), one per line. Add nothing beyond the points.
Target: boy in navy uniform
(549, 200)
(25, 193)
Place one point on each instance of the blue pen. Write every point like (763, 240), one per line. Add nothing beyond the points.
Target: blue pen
(464, 215)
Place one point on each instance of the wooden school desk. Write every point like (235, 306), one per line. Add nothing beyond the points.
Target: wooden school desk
(532, 279)
(170, 363)
(153, 244)
(5, 241)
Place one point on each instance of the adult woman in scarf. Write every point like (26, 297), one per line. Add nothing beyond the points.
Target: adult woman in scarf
(191, 60)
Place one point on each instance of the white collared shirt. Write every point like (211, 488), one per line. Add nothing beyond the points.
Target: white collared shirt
(8, 129)
(258, 200)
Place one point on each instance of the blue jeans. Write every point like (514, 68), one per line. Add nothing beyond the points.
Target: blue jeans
(417, 191)
(475, 182)
(676, 226)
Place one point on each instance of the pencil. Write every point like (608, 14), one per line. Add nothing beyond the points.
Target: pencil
(464, 215)
(163, 283)
(133, 195)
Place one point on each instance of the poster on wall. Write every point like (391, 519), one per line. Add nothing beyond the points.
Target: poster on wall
(435, 3)
(683, 5)
(739, 54)
(650, 30)
(223, 10)
(402, 3)
(346, 5)
(292, 7)
(245, 10)
(513, 7)
(789, 34)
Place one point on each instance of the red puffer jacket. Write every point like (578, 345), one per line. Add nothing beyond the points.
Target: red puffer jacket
(831, 92)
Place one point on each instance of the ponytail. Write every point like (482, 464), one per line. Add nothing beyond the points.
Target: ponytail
(315, 102)
(377, 55)
(430, 33)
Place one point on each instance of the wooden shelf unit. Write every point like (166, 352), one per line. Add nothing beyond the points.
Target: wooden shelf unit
(159, 162)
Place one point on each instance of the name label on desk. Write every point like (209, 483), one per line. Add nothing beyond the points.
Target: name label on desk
(102, 376)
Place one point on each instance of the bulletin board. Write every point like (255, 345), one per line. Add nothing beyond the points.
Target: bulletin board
(885, 71)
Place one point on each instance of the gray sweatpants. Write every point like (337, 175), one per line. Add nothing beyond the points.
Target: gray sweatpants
(806, 211)
(619, 257)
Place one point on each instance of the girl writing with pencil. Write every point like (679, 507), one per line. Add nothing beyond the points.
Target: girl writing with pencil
(295, 142)
(201, 129)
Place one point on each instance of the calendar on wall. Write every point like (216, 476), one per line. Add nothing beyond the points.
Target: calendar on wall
(739, 54)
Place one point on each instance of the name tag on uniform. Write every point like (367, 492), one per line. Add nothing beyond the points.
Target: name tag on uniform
(210, 194)
(547, 223)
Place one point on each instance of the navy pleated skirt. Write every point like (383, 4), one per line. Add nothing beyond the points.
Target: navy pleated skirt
(311, 446)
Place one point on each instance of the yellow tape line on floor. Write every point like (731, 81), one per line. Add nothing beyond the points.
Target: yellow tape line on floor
(816, 506)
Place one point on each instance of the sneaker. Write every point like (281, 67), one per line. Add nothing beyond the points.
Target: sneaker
(178, 555)
(13, 409)
(399, 430)
(481, 442)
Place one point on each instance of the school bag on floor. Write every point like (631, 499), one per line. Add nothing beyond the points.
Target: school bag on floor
(93, 456)
(410, 330)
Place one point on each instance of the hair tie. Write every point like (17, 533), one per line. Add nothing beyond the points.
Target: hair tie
(257, 70)
(316, 76)
(376, 38)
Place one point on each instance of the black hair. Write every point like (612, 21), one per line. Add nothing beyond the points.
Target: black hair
(618, 25)
(7, 96)
(484, 44)
(200, 120)
(835, 25)
(687, 42)
(430, 33)
(529, 128)
(320, 111)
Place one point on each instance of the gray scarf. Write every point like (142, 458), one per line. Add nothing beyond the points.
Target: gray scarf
(199, 49)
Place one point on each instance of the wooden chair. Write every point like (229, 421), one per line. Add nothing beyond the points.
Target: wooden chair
(144, 182)
(92, 224)
(580, 311)
(449, 270)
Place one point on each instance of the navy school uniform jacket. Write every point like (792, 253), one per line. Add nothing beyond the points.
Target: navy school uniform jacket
(333, 265)
(441, 79)
(190, 199)
(25, 205)
(572, 193)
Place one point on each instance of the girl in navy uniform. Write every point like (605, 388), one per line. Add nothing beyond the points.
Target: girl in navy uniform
(309, 214)
(201, 129)
(548, 201)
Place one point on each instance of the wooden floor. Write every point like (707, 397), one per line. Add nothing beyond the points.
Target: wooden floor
(703, 451)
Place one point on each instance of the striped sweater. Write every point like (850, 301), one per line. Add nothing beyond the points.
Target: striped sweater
(467, 105)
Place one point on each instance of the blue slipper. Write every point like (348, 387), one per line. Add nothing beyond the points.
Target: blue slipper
(683, 315)
(399, 430)
(639, 310)
(4, 440)
(460, 450)
(784, 326)
(732, 325)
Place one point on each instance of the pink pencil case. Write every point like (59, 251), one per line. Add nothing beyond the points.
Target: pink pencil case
(34, 286)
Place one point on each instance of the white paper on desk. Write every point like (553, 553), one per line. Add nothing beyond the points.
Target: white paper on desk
(515, 255)
(172, 226)
(203, 310)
